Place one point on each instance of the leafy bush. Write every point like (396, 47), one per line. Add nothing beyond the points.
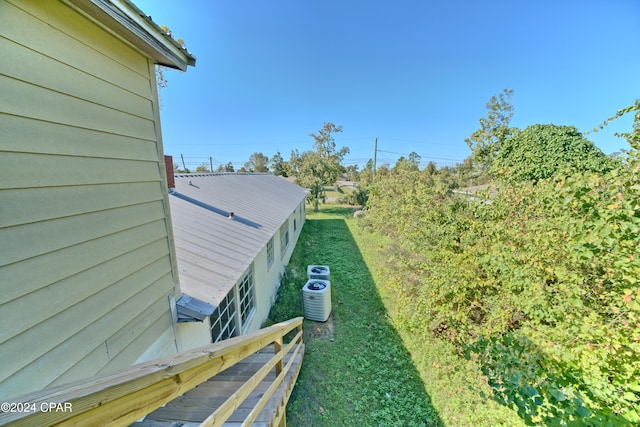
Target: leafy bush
(539, 283)
(541, 151)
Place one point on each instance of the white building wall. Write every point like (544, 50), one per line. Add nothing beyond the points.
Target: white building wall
(195, 334)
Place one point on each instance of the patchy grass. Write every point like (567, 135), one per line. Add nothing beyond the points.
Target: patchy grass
(457, 388)
(360, 374)
(361, 368)
(338, 192)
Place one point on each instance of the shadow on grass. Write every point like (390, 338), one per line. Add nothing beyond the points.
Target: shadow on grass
(362, 375)
(336, 210)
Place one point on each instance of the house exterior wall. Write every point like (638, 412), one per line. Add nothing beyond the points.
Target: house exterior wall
(87, 265)
(267, 279)
(195, 334)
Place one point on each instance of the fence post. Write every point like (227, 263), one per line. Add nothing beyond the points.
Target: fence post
(277, 346)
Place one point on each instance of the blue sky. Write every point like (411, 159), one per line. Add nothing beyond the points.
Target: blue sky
(416, 74)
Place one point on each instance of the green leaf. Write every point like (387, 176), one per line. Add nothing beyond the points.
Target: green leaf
(557, 395)
(583, 412)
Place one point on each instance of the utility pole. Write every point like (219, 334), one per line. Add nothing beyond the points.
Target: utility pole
(375, 155)
(183, 165)
(211, 163)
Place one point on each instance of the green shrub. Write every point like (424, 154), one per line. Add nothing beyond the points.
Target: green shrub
(539, 283)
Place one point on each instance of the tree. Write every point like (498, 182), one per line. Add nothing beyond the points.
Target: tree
(632, 137)
(494, 129)
(258, 162)
(352, 172)
(204, 167)
(431, 168)
(541, 151)
(325, 144)
(365, 176)
(316, 169)
(278, 166)
(226, 168)
(411, 163)
(177, 169)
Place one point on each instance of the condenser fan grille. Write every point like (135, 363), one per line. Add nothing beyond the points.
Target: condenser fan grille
(318, 272)
(316, 286)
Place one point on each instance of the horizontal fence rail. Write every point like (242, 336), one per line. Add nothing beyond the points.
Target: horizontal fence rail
(124, 396)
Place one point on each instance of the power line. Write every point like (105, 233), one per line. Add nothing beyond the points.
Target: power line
(425, 157)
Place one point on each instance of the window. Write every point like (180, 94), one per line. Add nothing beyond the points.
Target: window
(246, 296)
(284, 237)
(235, 310)
(270, 257)
(224, 319)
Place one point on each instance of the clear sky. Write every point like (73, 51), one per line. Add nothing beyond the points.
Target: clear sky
(416, 74)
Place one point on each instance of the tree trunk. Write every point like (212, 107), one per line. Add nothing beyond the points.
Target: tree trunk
(316, 198)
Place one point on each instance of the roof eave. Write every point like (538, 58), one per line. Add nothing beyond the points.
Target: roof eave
(123, 19)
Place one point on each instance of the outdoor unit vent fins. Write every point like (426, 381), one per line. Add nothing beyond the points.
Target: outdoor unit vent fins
(316, 299)
(318, 272)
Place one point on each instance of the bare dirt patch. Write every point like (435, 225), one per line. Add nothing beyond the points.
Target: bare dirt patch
(319, 330)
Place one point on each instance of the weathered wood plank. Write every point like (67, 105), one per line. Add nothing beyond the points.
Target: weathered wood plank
(153, 423)
(223, 412)
(279, 381)
(127, 395)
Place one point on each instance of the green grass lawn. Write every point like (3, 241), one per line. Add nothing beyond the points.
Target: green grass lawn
(360, 368)
(341, 192)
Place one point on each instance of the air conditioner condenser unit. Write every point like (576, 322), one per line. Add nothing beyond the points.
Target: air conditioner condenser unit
(316, 300)
(318, 272)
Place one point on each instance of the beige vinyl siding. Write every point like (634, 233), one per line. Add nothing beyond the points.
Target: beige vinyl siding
(72, 200)
(65, 354)
(43, 104)
(53, 299)
(29, 135)
(86, 258)
(38, 272)
(56, 31)
(43, 71)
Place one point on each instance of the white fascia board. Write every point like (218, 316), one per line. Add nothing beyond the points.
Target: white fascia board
(123, 19)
